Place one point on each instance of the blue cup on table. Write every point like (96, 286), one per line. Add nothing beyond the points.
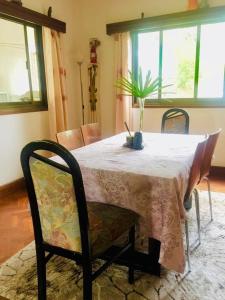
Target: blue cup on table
(137, 143)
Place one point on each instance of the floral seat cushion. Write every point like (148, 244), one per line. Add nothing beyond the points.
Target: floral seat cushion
(106, 224)
(59, 215)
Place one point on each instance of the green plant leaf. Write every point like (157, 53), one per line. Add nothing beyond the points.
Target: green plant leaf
(140, 80)
(134, 87)
(138, 87)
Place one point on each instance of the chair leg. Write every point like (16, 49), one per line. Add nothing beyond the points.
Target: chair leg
(198, 216)
(210, 198)
(188, 245)
(87, 281)
(41, 273)
(131, 266)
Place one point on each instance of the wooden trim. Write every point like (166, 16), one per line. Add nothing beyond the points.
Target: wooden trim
(12, 187)
(22, 109)
(26, 14)
(163, 105)
(217, 171)
(183, 102)
(169, 20)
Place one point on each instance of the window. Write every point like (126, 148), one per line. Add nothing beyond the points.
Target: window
(188, 57)
(22, 77)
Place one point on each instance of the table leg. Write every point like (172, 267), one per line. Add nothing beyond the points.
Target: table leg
(143, 262)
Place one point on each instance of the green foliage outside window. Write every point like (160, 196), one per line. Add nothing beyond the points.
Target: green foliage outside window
(189, 58)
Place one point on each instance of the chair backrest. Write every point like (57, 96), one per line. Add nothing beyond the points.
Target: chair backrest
(70, 139)
(91, 133)
(175, 120)
(57, 198)
(209, 150)
(194, 175)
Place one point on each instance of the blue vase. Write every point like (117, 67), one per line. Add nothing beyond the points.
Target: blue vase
(137, 142)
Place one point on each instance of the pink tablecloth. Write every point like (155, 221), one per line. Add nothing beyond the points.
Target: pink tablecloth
(151, 182)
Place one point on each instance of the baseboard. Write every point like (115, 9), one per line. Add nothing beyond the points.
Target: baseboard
(12, 187)
(217, 171)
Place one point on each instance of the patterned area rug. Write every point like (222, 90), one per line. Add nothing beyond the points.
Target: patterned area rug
(64, 279)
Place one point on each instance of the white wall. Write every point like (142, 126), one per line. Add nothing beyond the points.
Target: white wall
(95, 15)
(17, 130)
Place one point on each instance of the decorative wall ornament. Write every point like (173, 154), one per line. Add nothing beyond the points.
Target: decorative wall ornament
(192, 4)
(93, 74)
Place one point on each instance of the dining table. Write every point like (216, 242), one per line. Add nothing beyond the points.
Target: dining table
(152, 182)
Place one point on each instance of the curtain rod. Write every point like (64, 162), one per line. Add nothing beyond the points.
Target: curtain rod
(28, 15)
(168, 19)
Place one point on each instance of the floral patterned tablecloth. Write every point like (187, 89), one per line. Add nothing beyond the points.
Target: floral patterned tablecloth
(151, 182)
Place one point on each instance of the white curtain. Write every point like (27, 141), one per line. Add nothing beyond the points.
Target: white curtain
(122, 65)
(55, 79)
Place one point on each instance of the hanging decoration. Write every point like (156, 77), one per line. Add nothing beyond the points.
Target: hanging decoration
(93, 70)
(192, 4)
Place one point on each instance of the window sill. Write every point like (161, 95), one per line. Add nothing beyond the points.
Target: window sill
(203, 103)
(11, 110)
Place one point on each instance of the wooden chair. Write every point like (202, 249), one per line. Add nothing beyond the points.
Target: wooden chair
(192, 191)
(64, 223)
(206, 164)
(91, 133)
(175, 120)
(70, 139)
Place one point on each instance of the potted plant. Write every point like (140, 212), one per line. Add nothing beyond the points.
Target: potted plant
(140, 90)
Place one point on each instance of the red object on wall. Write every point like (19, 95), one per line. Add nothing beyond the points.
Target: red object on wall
(94, 43)
(93, 55)
(192, 4)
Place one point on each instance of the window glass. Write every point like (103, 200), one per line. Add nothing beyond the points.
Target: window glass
(188, 58)
(178, 63)
(22, 76)
(33, 60)
(212, 61)
(148, 54)
(14, 79)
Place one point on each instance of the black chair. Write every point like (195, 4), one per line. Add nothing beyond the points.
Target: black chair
(64, 223)
(175, 120)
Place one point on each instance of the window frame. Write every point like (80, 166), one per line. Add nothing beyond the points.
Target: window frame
(29, 106)
(181, 102)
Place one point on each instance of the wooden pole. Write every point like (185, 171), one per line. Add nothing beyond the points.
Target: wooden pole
(81, 90)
